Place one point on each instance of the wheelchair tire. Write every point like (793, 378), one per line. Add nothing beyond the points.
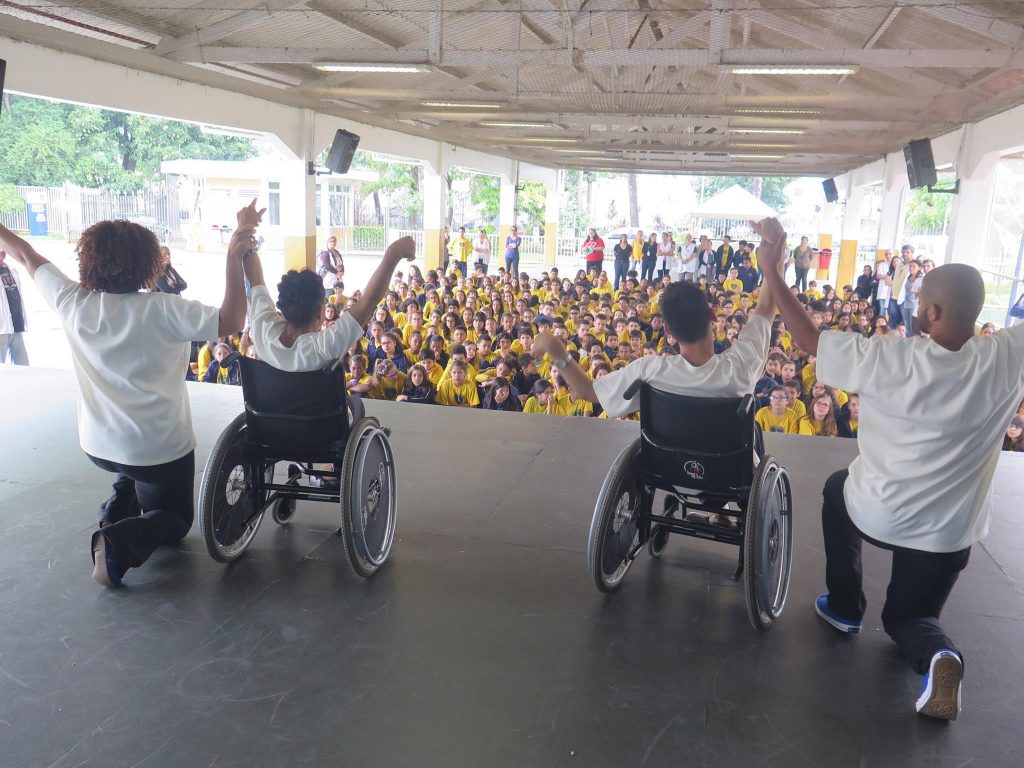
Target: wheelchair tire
(659, 538)
(225, 502)
(368, 497)
(282, 511)
(758, 442)
(768, 544)
(614, 529)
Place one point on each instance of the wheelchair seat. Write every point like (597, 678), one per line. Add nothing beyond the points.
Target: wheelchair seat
(703, 453)
(307, 419)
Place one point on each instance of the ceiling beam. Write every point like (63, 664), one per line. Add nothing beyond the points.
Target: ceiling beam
(874, 58)
(221, 29)
(977, 21)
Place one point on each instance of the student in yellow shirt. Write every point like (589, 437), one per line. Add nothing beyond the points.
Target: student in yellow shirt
(793, 401)
(541, 398)
(776, 416)
(429, 364)
(387, 382)
(357, 381)
(821, 420)
(457, 389)
(732, 282)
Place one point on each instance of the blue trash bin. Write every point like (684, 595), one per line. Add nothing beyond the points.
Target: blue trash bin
(37, 223)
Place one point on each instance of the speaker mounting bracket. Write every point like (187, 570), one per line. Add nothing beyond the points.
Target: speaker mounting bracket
(954, 190)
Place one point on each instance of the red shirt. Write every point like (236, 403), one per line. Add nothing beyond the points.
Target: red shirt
(594, 248)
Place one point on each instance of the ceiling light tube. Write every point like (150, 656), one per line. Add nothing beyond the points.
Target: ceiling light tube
(355, 67)
(781, 111)
(756, 157)
(788, 131)
(462, 105)
(773, 69)
(514, 124)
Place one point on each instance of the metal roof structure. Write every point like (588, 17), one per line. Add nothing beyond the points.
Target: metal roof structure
(797, 87)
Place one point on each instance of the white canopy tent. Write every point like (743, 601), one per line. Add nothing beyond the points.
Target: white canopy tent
(736, 204)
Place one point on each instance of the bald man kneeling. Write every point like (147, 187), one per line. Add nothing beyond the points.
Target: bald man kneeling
(932, 415)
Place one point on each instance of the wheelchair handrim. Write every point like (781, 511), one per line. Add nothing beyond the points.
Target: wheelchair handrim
(234, 523)
(373, 497)
(775, 546)
(621, 536)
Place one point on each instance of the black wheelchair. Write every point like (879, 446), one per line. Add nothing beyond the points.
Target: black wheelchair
(704, 454)
(301, 419)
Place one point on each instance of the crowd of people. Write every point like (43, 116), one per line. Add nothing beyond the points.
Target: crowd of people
(466, 339)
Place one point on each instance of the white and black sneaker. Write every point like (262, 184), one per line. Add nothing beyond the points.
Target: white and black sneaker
(940, 690)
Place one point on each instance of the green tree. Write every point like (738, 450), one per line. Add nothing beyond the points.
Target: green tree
(769, 189)
(10, 200)
(399, 181)
(927, 211)
(530, 205)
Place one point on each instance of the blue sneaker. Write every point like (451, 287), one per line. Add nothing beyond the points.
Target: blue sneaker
(822, 608)
(940, 690)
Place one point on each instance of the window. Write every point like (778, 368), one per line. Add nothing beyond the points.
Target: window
(339, 199)
(274, 203)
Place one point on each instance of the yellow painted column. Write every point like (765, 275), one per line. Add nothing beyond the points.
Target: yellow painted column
(300, 252)
(550, 243)
(824, 241)
(298, 217)
(432, 248)
(433, 218)
(847, 263)
(551, 220)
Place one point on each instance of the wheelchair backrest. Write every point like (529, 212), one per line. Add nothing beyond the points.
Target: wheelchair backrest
(704, 443)
(288, 411)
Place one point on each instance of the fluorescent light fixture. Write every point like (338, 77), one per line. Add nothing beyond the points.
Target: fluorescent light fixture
(462, 105)
(772, 69)
(546, 140)
(788, 131)
(756, 157)
(514, 124)
(574, 151)
(339, 67)
(759, 111)
(759, 145)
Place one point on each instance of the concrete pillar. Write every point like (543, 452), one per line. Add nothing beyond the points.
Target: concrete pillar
(506, 208)
(845, 266)
(298, 216)
(551, 220)
(434, 205)
(894, 202)
(969, 220)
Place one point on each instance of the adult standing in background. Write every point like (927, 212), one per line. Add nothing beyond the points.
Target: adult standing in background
(593, 252)
(706, 258)
(623, 251)
(169, 281)
(723, 258)
(686, 260)
(128, 347)
(649, 258)
(911, 288)
(330, 266)
(638, 251)
(666, 252)
(512, 243)
(12, 315)
(802, 256)
(460, 248)
(482, 250)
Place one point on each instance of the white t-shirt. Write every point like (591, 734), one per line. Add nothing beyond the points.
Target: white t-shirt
(687, 261)
(730, 374)
(130, 352)
(311, 351)
(930, 432)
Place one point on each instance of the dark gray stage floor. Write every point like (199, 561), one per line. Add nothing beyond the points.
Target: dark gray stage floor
(482, 642)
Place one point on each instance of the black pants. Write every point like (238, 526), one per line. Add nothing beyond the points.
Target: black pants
(647, 268)
(918, 587)
(596, 266)
(621, 268)
(151, 507)
(801, 277)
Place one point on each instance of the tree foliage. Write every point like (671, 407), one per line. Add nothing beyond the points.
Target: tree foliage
(400, 182)
(927, 212)
(48, 143)
(10, 200)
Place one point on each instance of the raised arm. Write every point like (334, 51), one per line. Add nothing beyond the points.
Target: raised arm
(797, 320)
(20, 251)
(243, 241)
(575, 377)
(403, 248)
(773, 239)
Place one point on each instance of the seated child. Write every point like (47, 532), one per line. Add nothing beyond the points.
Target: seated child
(776, 416)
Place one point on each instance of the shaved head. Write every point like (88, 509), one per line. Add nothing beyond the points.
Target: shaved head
(958, 291)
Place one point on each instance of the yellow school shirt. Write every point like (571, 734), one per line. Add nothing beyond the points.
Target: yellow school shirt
(464, 395)
(203, 360)
(810, 427)
(533, 406)
(799, 408)
(787, 423)
(808, 376)
(434, 374)
(733, 285)
(813, 294)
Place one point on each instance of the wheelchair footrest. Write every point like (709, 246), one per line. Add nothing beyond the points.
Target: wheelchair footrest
(700, 530)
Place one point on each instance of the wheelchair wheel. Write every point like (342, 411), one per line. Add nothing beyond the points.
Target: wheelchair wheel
(758, 442)
(659, 536)
(226, 517)
(283, 509)
(368, 498)
(768, 544)
(615, 530)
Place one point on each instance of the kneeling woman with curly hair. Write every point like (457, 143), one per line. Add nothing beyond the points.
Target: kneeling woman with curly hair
(130, 349)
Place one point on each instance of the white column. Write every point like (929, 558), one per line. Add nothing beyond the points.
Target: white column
(969, 220)
(894, 203)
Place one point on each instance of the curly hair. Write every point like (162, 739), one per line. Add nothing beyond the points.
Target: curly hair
(300, 296)
(118, 257)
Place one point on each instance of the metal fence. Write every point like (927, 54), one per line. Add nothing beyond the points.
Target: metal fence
(70, 210)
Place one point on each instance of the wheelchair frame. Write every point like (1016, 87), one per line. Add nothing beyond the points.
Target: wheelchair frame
(238, 481)
(657, 461)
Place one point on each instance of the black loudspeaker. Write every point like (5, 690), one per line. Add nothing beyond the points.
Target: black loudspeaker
(342, 151)
(920, 163)
(3, 71)
(831, 193)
